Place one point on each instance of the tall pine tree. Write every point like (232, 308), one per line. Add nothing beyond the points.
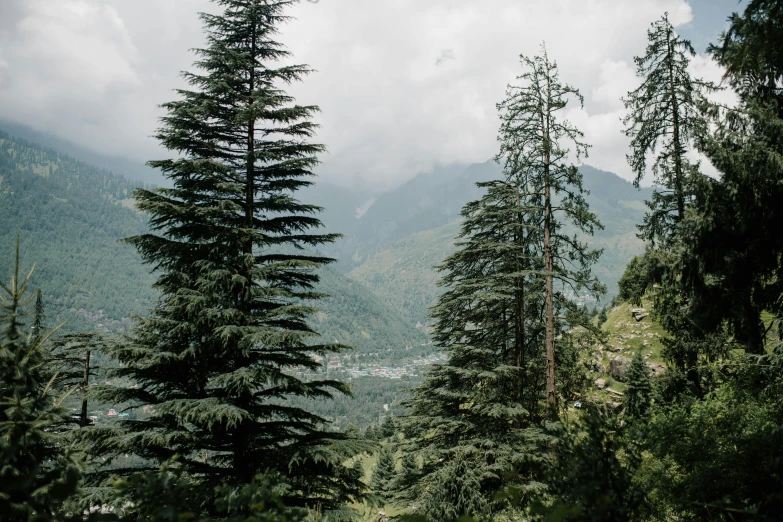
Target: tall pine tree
(639, 391)
(734, 268)
(534, 144)
(472, 421)
(663, 118)
(217, 358)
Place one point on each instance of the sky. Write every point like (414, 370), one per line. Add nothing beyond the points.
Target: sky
(402, 84)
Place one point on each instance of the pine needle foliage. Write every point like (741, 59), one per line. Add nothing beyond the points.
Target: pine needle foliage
(472, 422)
(384, 472)
(36, 473)
(216, 360)
(733, 269)
(639, 392)
(664, 116)
(535, 142)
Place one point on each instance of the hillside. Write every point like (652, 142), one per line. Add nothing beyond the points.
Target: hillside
(70, 217)
(624, 336)
(403, 275)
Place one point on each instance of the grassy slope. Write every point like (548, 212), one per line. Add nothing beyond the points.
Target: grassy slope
(624, 332)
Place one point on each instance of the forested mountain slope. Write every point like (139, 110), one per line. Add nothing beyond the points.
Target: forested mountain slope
(403, 275)
(70, 217)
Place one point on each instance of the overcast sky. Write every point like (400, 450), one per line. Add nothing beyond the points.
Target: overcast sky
(402, 84)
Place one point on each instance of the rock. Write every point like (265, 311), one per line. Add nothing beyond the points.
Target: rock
(617, 367)
(657, 369)
(600, 383)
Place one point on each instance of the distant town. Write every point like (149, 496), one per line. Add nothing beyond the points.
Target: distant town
(412, 368)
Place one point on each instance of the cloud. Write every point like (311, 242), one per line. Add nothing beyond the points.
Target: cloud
(402, 84)
(445, 55)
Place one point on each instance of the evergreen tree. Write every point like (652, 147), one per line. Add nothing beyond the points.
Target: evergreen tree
(170, 494)
(534, 140)
(384, 473)
(38, 318)
(72, 359)
(217, 358)
(593, 477)
(478, 411)
(733, 268)
(36, 476)
(404, 483)
(639, 391)
(371, 433)
(388, 428)
(663, 118)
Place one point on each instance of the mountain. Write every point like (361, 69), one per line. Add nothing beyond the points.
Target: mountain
(130, 169)
(403, 274)
(429, 200)
(70, 217)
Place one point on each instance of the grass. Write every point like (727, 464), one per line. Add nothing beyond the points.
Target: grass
(624, 336)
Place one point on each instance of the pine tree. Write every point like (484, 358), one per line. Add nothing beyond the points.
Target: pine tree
(72, 359)
(38, 318)
(384, 473)
(388, 428)
(478, 411)
(534, 141)
(36, 476)
(639, 391)
(733, 268)
(663, 117)
(602, 317)
(404, 483)
(216, 359)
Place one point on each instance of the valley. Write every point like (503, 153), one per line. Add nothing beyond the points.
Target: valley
(379, 289)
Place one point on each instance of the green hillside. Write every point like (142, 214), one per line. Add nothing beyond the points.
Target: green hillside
(403, 275)
(70, 217)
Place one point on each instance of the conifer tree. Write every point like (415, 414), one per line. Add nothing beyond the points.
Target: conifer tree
(388, 428)
(36, 476)
(383, 473)
(478, 411)
(663, 117)
(733, 270)
(72, 359)
(38, 318)
(639, 391)
(217, 358)
(534, 143)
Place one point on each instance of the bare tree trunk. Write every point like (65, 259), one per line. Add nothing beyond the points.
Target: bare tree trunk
(678, 149)
(83, 420)
(551, 392)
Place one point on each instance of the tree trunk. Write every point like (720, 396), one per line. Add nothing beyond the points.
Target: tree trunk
(83, 421)
(678, 148)
(251, 149)
(551, 392)
(520, 311)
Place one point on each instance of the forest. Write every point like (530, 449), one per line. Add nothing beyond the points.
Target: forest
(222, 344)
